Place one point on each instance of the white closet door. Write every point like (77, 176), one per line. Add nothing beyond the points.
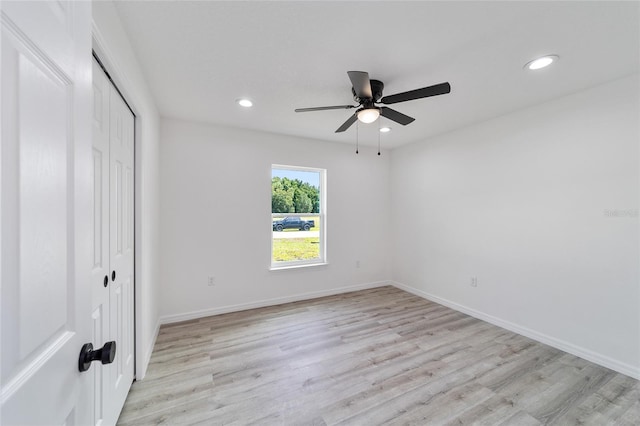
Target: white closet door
(46, 212)
(112, 274)
(121, 251)
(101, 272)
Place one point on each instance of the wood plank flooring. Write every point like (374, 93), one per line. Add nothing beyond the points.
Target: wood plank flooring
(380, 356)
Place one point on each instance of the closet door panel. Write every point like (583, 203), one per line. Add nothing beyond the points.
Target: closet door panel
(121, 137)
(100, 272)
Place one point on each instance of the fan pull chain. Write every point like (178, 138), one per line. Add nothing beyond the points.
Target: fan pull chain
(378, 136)
(357, 135)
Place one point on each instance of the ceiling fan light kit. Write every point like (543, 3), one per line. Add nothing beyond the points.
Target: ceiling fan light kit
(368, 115)
(367, 93)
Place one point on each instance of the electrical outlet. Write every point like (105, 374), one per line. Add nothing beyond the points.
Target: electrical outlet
(211, 281)
(474, 281)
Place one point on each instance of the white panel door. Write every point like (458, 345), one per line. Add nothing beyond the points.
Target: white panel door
(100, 272)
(113, 133)
(46, 211)
(121, 136)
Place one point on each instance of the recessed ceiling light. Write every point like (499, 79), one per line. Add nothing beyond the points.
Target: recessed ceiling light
(244, 102)
(541, 62)
(385, 129)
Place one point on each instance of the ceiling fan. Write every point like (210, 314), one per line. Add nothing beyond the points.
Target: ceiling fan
(368, 93)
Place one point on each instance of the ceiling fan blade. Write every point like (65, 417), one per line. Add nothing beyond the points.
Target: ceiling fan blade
(425, 92)
(396, 116)
(347, 123)
(324, 108)
(361, 84)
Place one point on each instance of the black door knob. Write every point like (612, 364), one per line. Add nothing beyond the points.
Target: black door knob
(113, 275)
(106, 354)
(106, 280)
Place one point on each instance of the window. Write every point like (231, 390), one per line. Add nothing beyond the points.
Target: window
(298, 216)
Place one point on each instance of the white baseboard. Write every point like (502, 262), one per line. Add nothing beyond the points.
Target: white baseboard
(141, 369)
(603, 360)
(168, 319)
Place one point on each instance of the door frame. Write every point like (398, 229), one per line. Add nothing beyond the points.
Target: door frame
(130, 94)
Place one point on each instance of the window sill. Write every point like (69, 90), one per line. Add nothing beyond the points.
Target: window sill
(307, 265)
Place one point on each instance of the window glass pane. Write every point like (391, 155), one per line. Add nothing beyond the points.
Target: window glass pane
(297, 216)
(295, 191)
(299, 239)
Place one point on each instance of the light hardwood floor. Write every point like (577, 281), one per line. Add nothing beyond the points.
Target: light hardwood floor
(380, 356)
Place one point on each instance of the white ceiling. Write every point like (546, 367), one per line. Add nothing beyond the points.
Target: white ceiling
(199, 57)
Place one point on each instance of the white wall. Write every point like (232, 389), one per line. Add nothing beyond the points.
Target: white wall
(115, 51)
(521, 202)
(215, 218)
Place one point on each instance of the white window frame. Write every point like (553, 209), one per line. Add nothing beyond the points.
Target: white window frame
(322, 215)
